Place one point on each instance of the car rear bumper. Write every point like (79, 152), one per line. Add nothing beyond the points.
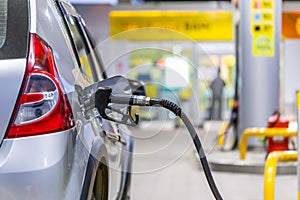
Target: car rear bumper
(36, 167)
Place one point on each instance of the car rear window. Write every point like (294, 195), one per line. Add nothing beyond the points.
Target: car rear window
(3, 21)
(14, 29)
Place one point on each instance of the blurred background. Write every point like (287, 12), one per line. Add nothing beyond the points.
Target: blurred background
(177, 49)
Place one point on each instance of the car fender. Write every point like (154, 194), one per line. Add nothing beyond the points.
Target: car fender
(98, 154)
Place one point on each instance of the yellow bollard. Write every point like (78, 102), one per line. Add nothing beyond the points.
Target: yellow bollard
(221, 136)
(271, 167)
(262, 132)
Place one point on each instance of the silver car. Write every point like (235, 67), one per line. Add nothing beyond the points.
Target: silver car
(52, 147)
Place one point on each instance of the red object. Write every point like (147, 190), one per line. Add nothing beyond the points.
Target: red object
(278, 143)
(41, 85)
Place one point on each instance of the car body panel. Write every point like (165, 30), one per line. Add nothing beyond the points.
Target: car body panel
(57, 165)
(30, 166)
(10, 87)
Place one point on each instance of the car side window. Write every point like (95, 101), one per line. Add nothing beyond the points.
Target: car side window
(96, 55)
(91, 68)
(82, 50)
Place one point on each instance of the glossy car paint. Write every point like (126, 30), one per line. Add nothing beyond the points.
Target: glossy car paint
(9, 86)
(55, 166)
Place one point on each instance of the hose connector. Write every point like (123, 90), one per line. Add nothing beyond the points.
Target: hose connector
(140, 100)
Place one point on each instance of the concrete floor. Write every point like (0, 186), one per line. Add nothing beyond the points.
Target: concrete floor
(165, 167)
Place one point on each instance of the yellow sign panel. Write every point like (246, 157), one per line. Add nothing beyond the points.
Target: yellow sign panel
(263, 45)
(262, 27)
(267, 16)
(261, 16)
(171, 25)
(262, 4)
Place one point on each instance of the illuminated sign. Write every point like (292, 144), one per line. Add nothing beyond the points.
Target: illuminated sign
(291, 25)
(171, 25)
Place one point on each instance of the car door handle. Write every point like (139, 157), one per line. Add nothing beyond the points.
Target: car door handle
(114, 137)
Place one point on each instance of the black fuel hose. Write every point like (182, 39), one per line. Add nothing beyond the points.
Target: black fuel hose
(202, 156)
(147, 101)
(196, 140)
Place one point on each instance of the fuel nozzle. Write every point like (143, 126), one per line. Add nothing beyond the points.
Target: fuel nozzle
(104, 102)
(102, 98)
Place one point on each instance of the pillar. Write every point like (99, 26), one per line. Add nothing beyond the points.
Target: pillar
(260, 32)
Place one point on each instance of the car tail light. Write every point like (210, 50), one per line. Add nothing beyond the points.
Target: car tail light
(42, 107)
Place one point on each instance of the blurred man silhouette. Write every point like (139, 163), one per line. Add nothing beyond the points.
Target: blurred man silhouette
(216, 87)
